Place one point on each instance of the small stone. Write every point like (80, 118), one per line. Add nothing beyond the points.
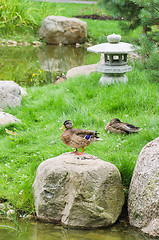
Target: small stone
(10, 212)
(37, 43)
(20, 44)
(30, 217)
(26, 44)
(78, 45)
(12, 43)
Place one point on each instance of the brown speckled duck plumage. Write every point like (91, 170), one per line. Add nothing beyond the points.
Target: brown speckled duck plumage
(116, 126)
(77, 138)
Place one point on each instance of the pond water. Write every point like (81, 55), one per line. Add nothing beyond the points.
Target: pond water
(35, 230)
(28, 65)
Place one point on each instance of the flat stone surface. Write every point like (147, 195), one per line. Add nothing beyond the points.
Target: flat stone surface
(81, 70)
(85, 69)
(113, 48)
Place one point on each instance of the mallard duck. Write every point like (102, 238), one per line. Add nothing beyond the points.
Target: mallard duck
(60, 79)
(116, 126)
(77, 138)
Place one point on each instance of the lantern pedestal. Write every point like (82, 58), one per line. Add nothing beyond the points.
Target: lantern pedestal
(107, 79)
(113, 74)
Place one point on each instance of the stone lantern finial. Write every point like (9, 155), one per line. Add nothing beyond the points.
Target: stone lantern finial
(113, 38)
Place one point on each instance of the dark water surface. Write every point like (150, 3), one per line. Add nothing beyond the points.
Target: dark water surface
(46, 231)
(28, 65)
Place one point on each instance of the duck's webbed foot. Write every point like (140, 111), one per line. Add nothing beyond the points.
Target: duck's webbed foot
(80, 152)
(75, 151)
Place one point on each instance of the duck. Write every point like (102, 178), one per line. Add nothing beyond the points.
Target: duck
(77, 138)
(116, 126)
(60, 79)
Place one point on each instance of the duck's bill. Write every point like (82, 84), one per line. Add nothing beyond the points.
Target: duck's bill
(63, 127)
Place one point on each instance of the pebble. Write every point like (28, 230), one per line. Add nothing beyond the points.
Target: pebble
(10, 42)
(10, 212)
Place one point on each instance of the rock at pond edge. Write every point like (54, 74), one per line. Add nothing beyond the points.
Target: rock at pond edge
(79, 192)
(143, 201)
(10, 94)
(59, 29)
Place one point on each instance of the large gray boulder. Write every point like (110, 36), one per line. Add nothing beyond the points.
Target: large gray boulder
(78, 191)
(143, 202)
(59, 29)
(10, 94)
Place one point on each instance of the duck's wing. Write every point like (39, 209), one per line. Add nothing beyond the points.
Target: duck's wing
(83, 133)
(129, 128)
(115, 128)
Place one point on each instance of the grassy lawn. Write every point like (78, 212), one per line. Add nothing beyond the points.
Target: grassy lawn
(25, 24)
(82, 100)
(90, 106)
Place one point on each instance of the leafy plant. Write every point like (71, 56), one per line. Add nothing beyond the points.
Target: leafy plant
(137, 12)
(17, 13)
(149, 57)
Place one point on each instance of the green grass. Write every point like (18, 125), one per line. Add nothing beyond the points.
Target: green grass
(21, 20)
(89, 105)
(82, 99)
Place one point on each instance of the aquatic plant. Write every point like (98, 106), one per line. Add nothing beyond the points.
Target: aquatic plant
(7, 213)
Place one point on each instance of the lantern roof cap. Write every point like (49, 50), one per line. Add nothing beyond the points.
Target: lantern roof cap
(114, 46)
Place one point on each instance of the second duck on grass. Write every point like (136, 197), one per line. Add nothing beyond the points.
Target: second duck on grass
(116, 126)
(77, 138)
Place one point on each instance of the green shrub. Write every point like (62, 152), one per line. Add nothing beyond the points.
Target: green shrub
(149, 58)
(16, 14)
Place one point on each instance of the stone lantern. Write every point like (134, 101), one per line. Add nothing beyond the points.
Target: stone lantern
(115, 59)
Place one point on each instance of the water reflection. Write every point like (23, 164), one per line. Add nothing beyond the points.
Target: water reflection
(40, 231)
(23, 64)
(61, 58)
